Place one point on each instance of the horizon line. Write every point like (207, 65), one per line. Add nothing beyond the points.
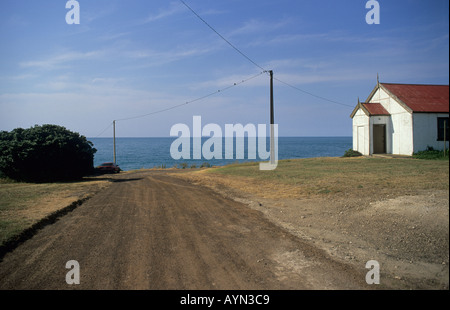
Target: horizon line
(212, 137)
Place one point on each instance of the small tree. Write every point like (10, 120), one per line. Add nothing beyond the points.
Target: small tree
(45, 154)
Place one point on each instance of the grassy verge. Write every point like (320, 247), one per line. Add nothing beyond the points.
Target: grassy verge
(336, 176)
(24, 204)
(432, 154)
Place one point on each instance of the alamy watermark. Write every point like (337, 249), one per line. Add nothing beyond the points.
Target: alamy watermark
(213, 146)
(73, 276)
(373, 16)
(73, 16)
(373, 276)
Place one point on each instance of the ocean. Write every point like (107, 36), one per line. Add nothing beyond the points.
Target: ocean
(137, 153)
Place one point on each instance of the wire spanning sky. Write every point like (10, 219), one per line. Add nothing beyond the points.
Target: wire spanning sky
(149, 58)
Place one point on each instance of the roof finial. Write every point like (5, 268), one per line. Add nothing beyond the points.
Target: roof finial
(378, 80)
(359, 101)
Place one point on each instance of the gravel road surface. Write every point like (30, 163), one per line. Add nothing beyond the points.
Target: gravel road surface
(149, 230)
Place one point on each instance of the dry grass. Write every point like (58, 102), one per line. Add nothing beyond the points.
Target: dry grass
(24, 204)
(349, 177)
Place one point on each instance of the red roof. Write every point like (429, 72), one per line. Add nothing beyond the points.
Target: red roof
(422, 98)
(375, 108)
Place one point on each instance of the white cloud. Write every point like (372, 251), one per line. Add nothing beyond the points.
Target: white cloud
(148, 57)
(174, 8)
(254, 26)
(19, 77)
(62, 59)
(89, 106)
(114, 36)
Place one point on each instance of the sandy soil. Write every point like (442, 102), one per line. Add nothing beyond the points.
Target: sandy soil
(148, 230)
(407, 235)
(159, 230)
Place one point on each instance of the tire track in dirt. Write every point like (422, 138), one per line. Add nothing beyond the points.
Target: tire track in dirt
(149, 230)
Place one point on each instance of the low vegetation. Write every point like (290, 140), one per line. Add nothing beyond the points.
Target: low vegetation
(352, 153)
(431, 153)
(45, 153)
(339, 176)
(25, 204)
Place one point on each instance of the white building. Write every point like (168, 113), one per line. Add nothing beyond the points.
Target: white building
(402, 119)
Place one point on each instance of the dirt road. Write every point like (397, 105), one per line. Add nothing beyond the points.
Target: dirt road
(149, 230)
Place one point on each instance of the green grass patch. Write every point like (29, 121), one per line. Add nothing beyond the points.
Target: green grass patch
(349, 175)
(432, 154)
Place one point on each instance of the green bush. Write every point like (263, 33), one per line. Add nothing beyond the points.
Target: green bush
(45, 153)
(352, 153)
(431, 153)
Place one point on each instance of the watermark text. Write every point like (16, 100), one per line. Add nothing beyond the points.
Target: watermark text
(373, 276)
(213, 146)
(73, 16)
(73, 276)
(373, 16)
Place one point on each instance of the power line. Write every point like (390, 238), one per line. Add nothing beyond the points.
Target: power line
(156, 112)
(191, 101)
(109, 126)
(226, 88)
(185, 103)
(222, 37)
(253, 62)
(311, 94)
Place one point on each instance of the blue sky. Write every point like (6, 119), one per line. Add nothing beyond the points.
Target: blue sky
(131, 58)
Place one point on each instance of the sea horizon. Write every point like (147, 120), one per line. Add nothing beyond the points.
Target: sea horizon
(209, 137)
(134, 153)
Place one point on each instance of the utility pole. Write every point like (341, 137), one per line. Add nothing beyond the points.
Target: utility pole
(114, 140)
(272, 122)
